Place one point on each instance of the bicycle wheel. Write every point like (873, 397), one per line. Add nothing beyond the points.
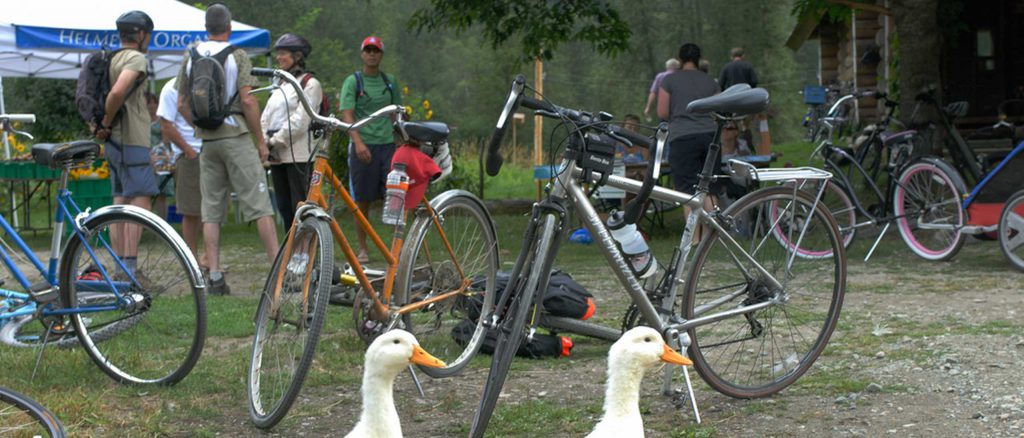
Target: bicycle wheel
(760, 352)
(21, 416)
(160, 320)
(1011, 230)
(926, 203)
(288, 322)
(838, 204)
(510, 330)
(427, 269)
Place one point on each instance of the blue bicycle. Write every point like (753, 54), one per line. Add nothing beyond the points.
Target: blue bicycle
(125, 287)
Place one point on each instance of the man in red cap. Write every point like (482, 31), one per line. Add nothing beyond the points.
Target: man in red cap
(370, 149)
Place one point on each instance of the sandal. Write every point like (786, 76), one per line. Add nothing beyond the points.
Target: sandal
(362, 257)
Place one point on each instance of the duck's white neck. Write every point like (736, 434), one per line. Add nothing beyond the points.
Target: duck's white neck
(379, 418)
(622, 393)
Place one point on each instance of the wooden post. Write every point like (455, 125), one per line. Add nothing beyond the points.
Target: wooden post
(538, 124)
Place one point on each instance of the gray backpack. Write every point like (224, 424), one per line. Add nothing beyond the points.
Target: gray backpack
(207, 84)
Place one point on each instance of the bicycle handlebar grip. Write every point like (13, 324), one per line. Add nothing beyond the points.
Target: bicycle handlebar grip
(536, 104)
(636, 138)
(264, 72)
(20, 118)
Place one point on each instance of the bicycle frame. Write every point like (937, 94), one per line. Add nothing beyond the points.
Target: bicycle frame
(315, 198)
(26, 303)
(566, 189)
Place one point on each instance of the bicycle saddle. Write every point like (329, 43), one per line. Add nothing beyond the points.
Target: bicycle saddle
(738, 99)
(56, 155)
(426, 132)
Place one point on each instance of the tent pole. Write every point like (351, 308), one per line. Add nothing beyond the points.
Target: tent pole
(7, 146)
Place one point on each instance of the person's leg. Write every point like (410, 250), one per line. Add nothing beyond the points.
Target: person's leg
(188, 203)
(362, 179)
(113, 156)
(139, 188)
(283, 194)
(249, 180)
(214, 188)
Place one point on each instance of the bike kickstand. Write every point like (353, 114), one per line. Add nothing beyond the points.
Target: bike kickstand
(879, 239)
(42, 348)
(689, 390)
(416, 380)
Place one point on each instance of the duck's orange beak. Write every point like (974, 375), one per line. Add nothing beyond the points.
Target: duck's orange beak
(421, 357)
(671, 356)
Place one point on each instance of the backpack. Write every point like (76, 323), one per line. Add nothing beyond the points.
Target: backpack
(360, 92)
(323, 110)
(207, 84)
(543, 345)
(93, 86)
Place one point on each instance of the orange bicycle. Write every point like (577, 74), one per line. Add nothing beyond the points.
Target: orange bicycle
(441, 276)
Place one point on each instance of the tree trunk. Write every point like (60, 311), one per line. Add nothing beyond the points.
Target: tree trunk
(919, 51)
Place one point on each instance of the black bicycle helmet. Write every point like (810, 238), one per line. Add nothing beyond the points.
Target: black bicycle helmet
(293, 42)
(134, 21)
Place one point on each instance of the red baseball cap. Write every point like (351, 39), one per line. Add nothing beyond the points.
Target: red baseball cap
(372, 41)
(421, 169)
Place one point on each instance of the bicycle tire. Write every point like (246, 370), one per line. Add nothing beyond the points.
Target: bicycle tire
(1011, 230)
(427, 268)
(19, 332)
(722, 278)
(926, 191)
(274, 384)
(15, 407)
(839, 204)
(160, 333)
(510, 330)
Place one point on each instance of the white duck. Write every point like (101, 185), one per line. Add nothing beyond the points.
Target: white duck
(388, 355)
(637, 350)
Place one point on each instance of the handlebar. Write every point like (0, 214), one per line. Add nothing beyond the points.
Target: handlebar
(333, 123)
(7, 119)
(16, 118)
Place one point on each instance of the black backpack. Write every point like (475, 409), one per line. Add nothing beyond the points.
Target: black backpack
(207, 84)
(94, 85)
(323, 110)
(360, 91)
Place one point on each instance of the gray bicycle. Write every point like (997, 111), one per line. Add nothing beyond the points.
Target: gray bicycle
(753, 315)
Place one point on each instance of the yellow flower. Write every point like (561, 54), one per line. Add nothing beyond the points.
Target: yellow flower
(426, 104)
(430, 114)
(102, 173)
(408, 109)
(19, 148)
(405, 90)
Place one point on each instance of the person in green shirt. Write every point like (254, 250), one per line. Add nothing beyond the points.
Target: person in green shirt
(370, 149)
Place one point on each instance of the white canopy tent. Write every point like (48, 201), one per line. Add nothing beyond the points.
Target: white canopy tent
(51, 38)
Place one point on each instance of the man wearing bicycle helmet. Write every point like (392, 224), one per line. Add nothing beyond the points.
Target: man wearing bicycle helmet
(125, 126)
(371, 148)
(287, 127)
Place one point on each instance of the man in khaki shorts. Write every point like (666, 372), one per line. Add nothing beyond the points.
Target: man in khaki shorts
(228, 159)
(187, 196)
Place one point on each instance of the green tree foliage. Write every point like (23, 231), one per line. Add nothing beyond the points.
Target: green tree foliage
(542, 25)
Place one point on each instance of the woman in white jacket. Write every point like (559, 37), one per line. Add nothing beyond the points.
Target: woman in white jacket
(287, 127)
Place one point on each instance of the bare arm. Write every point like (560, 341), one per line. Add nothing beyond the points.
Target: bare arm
(362, 152)
(118, 94)
(171, 132)
(251, 111)
(183, 108)
(663, 101)
(650, 101)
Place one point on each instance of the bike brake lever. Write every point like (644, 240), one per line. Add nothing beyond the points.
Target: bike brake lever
(30, 137)
(265, 89)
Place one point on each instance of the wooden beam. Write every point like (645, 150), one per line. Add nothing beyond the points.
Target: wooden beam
(861, 6)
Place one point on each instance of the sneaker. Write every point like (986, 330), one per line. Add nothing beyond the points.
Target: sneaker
(218, 287)
(297, 264)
